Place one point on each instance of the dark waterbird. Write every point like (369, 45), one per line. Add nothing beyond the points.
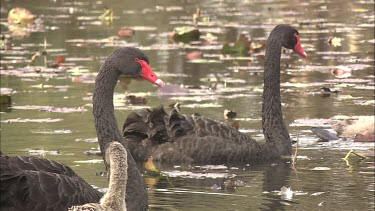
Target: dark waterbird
(177, 138)
(114, 199)
(32, 183)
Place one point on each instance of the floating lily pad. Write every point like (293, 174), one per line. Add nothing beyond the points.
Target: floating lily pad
(240, 48)
(185, 34)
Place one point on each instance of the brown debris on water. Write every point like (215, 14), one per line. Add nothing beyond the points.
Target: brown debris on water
(364, 138)
(125, 32)
(341, 71)
(20, 15)
(194, 55)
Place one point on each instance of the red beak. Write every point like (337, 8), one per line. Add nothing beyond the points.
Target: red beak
(298, 49)
(148, 73)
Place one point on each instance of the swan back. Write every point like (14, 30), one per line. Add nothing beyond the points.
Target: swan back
(178, 138)
(32, 183)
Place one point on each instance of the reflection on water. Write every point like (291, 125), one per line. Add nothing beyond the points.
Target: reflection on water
(50, 101)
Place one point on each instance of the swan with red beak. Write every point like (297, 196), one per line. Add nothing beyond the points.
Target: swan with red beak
(148, 73)
(298, 48)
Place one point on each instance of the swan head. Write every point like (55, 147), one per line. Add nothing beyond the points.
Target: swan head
(134, 63)
(290, 39)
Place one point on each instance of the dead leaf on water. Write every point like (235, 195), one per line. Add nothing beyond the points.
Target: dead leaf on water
(20, 16)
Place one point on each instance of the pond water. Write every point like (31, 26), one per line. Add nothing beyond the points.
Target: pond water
(54, 111)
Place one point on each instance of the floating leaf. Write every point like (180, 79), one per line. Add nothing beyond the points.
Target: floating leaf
(185, 34)
(194, 55)
(240, 48)
(20, 16)
(334, 41)
(125, 32)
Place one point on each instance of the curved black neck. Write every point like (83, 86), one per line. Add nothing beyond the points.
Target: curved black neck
(107, 131)
(274, 128)
(104, 116)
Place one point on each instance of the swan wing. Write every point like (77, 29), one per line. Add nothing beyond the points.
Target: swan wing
(32, 183)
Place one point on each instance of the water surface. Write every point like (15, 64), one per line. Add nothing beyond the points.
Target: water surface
(55, 105)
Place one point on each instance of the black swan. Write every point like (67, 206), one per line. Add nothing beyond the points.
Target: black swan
(32, 183)
(114, 199)
(177, 138)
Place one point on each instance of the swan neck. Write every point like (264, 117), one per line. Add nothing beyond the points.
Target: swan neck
(107, 130)
(274, 128)
(104, 115)
(115, 196)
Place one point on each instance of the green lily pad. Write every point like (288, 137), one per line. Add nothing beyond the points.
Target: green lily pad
(185, 34)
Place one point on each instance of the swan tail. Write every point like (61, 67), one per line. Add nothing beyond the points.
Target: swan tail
(177, 125)
(146, 124)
